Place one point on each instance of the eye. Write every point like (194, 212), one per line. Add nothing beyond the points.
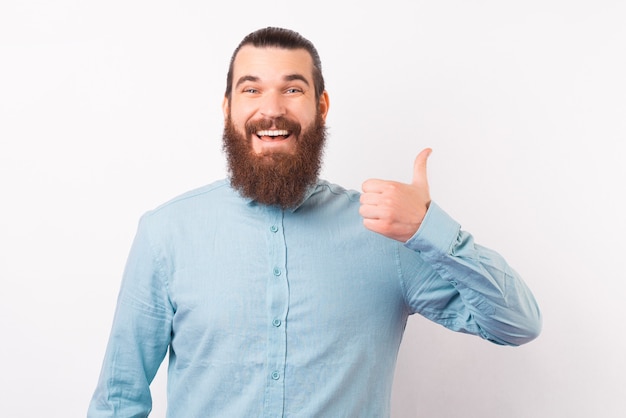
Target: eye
(293, 90)
(250, 90)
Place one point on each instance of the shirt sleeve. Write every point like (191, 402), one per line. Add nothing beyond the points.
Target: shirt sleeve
(467, 287)
(139, 338)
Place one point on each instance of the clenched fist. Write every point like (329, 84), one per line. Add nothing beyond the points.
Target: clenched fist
(394, 209)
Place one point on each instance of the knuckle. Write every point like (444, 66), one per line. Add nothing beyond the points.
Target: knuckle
(391, 186)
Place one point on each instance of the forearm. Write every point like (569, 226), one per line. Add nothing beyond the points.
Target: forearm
(139, 337)
(496, 298)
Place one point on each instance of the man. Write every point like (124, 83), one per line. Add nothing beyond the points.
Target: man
(278, 294)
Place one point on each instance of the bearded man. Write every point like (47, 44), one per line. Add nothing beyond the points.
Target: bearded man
(281, 294)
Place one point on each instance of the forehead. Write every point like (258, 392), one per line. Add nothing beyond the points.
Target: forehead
(268, 62)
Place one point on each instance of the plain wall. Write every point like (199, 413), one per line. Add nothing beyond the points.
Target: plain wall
(108, 109)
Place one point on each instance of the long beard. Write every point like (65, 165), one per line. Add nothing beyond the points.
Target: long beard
(275, 178)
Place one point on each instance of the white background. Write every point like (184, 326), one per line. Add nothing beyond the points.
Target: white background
(110, 108)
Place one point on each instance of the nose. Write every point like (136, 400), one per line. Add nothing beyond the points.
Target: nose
(272, 105)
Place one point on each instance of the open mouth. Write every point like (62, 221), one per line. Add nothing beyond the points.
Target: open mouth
(273, 135)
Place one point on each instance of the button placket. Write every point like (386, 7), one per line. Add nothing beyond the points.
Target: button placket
(277, 307)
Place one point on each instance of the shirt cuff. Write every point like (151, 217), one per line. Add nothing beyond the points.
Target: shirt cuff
(437, 233)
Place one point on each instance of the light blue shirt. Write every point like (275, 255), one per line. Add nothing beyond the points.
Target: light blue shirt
(295, 313)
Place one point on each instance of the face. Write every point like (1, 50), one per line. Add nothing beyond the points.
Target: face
(274, 127)
(273, 98)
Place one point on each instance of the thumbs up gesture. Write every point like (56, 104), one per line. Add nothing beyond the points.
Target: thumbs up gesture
(394, 209)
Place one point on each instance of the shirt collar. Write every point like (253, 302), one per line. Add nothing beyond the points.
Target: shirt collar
(309, 192)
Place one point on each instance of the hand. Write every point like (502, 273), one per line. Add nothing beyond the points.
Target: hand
(394, 209)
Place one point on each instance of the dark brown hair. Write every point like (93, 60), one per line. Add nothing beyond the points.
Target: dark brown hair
(279, 38)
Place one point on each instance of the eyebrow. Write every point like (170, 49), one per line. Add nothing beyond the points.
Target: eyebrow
(300, 77)
(255, 79)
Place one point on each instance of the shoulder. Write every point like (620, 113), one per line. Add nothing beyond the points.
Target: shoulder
(326, 199)
(201, 199)
(200, 193)
(330, 190)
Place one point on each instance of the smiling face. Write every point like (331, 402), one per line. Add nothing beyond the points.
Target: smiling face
(274, 125)
(273, 97)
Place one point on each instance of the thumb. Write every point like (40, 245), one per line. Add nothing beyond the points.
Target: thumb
(420, 175)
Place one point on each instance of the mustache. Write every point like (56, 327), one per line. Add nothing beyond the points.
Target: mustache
(282, 123)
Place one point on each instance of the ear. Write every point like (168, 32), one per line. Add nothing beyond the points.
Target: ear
(324, 104)
(225, 107)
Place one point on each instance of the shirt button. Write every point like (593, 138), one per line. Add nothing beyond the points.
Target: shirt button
(274, 228)
(276, 322)
(276, 271)
(453, 283)
(275, 375)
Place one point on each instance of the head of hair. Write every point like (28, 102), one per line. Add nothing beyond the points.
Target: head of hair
(279, 38)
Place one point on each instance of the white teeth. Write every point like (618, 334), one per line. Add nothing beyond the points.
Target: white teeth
(272, 133)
